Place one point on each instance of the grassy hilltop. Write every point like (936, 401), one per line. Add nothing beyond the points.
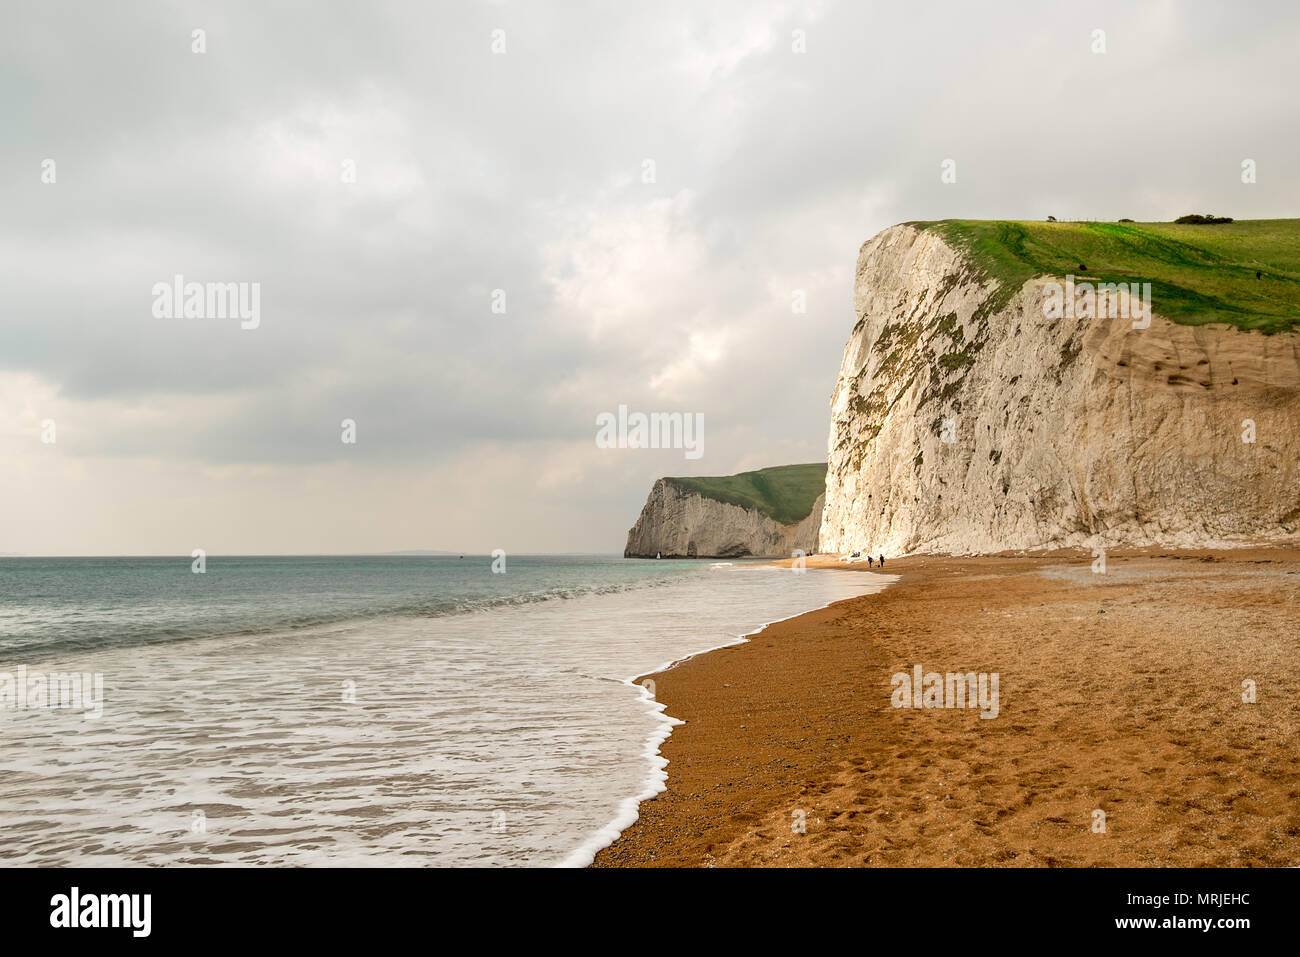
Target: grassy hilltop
(785, 493)
(1198, 273)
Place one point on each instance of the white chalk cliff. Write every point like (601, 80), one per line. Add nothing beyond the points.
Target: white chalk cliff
(1064, 432)
(679, 523)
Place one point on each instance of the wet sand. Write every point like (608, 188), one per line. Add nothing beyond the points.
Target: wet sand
(1118, 692)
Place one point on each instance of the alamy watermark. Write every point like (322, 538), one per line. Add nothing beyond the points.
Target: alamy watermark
(1103, 300)
(76, 909)
(25, 690)
(179, 299)
(923, 689)
(655, 430)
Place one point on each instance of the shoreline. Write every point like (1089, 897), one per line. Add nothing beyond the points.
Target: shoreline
(1120, 691)
(657, 780)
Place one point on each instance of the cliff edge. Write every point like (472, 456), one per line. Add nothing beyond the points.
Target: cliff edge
(964, 420)
(768, 513)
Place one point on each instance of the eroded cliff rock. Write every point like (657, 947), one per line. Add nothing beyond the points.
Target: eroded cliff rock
(1063, 432)
(678, 523)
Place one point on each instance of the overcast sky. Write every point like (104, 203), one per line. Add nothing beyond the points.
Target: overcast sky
(523, 171)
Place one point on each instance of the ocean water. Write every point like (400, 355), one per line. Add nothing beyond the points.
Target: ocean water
(369, 711)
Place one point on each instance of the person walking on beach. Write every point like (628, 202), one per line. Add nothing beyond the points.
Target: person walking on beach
(870, 561)
(882, 561)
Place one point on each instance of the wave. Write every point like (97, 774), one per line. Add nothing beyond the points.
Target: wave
(656, 780)
(148, 634)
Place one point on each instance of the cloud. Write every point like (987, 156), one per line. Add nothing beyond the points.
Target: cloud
(523, 172)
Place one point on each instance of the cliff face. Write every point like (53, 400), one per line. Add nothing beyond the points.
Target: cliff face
(678, 523)
(1072, 432)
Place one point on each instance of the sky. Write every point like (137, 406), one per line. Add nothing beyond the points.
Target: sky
(475, 227)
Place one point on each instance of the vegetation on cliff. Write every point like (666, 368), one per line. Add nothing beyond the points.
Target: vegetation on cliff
(1245, 273)
(784, 493)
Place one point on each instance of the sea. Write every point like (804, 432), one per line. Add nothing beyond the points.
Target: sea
(352, 711)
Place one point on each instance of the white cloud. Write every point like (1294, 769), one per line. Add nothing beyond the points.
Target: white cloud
(522, 172)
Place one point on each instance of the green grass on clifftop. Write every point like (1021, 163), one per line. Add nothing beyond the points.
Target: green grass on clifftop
(1198, 273)
(785, 493)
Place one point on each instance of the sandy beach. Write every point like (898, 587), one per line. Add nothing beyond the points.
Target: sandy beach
(1119, 693)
